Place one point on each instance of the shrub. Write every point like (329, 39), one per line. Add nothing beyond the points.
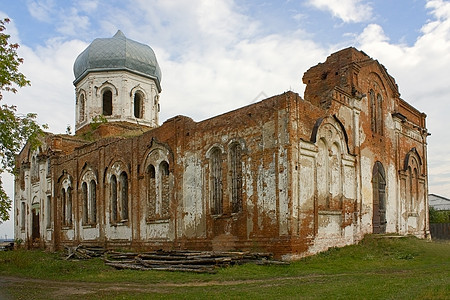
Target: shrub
(439, 216)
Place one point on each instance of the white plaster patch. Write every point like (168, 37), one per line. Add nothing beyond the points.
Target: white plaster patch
(89, 233)
(283, 191)
(267, 192)
(192, 197)
(69, 234)
(329, 224)
(249, 192)
(158, 230)
(118, 232)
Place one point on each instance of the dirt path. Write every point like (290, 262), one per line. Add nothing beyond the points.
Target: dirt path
(60, 289)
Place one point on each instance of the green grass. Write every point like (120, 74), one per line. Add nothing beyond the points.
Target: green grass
(386, 268)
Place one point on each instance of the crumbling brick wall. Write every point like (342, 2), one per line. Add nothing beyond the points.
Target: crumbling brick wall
(288, 175)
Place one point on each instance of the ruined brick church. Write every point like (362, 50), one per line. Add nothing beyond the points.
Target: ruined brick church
(288, 175)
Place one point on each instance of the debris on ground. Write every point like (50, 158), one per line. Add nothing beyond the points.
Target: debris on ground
(6, 246)
(173, 260)
(84, 252)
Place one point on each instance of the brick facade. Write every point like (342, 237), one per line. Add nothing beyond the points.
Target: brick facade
(287, 175)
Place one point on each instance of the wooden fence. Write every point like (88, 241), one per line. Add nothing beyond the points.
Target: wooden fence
(440, 231)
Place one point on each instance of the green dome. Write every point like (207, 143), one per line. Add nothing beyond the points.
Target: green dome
(117, 53)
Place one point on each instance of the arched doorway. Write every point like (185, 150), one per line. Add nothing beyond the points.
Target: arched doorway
(35, 209)
(379, 198)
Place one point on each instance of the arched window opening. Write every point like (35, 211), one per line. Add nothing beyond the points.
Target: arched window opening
(82, 105)
(69, 206)
(84, 197)
(22, 215)
(376, 112)
(164, 188)
(114, 216)
(138, 105)
(49, 211)
(379, 120)
(151, 194)
(409, 185)
(216, 181)
(64, 206)
(236, 178)
(373, 117)
(379, 198)
(413, 182)
(93, 202)
(35, 219)
(49, 166)
(124, 196)
(34, 169)
(414, 189)
(107, 103)
(22, 178)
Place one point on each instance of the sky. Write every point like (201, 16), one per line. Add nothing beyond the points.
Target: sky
(220, 55)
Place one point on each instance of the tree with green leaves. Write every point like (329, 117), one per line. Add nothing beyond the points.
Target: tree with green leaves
(15, 129)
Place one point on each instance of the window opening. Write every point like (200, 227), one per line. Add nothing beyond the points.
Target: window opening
(216, 181)
(138, 105)
(114, 198)
(372, 111)
(64, 206)
(23, 215)
(236, 178)
(69, 206)
(82, 108)
(151, 197)
(124, 196)
(164, 188)
(379, 120)
(107, 103)
(376, 112)
(84, 193)
(93, 201)
(49, 212)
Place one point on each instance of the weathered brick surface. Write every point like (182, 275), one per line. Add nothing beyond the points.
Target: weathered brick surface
(307, 172)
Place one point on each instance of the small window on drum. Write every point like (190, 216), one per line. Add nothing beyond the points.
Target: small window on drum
(138, 105)
(107, 103)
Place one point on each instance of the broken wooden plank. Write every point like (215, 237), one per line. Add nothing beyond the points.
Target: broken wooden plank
(122, 266)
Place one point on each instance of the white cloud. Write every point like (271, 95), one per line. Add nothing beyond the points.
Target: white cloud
(41, 9)
(69, 21)
(214, 82)
(73, 22)
(373, 33)
(87, 5)
(300, 17)
(349, 11)
(181, 26)
(440, 9)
